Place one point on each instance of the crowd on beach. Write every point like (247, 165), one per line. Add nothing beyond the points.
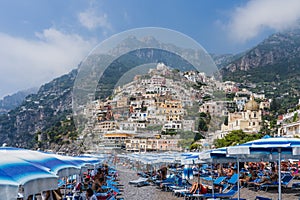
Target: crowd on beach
(100, 183)
(255, 176)
(188, 181)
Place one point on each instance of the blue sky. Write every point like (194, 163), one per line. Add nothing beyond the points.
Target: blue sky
(41, 39)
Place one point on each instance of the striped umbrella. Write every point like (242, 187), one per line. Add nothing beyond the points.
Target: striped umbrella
(268, 148)
(187, 172)
(47, 161)
(15, 172)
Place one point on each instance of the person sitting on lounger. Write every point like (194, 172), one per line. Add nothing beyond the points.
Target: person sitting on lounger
(248, 177)
(198, 188)
(264, 180)
(90, 194)
(203, 189)
(194, 187)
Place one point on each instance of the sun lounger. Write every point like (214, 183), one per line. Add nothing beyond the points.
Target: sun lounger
(219, 180)
(139, 180)
(262, 198)
(230, 193)
(285, 181)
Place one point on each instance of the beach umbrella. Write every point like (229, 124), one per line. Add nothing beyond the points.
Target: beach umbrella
(187, 172)
(15, 172)
(8, 186)
(216, 155)
(191, 159)
(61, 166)
(272, 149)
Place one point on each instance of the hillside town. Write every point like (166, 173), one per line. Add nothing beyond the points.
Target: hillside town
(156, 110)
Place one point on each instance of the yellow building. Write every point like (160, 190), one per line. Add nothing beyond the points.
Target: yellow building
(115, 139)
(172, 109)
(103, 127)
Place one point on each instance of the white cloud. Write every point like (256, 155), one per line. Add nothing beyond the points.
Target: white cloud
(91, 19)
(250, 20)
(27, 63)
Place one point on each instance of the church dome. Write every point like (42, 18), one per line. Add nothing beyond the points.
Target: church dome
(251, 105)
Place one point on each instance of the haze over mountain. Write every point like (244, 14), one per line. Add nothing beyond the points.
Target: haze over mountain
(274, 63)
(12, 101)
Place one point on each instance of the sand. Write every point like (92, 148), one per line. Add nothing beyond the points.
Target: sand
(130, 192)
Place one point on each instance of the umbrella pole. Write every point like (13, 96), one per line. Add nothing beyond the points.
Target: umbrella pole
(238, 182)
(65, 190)
(279, 173)
(212, 178)
(199, 178)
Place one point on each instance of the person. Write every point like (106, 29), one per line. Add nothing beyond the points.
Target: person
(248, 176)
(194, 187)
(90, 194)
(203, 189)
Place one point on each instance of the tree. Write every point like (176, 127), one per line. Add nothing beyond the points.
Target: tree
(236, 137)
(198, 136)
(274, 106)
(295, 117)
(204, 120)
(202, 125)
(195, 146)
(226, 121)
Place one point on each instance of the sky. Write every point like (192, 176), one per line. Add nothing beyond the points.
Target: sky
(41, 39)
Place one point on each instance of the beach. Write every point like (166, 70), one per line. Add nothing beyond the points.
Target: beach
(151, 192)
(140, 193)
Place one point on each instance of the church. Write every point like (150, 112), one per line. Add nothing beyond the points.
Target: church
(249, 120)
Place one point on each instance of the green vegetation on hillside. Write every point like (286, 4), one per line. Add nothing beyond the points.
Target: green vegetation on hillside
(235, 138)
(63, 132)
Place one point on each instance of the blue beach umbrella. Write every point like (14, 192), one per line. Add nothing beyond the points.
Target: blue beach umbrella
(187, 172)
(47, 161)
(268, 148)
(8, 186)
(215, 155)
(15, 172)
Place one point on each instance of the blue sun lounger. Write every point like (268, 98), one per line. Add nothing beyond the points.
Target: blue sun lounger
(262, 198)
(285, 181)
(229, 194)
(140, 182)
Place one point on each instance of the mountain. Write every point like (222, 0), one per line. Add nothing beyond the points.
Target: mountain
(40, 111)
(223, 59)
(272, 67)
(47, 115)
(279, 48)
(12, 101)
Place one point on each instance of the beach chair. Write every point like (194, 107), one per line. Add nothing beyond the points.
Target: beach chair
(230, 183)
(262, 198)
(285, 181)
(179, 184)
(233, 180)
(226, 195)
(170, 179)
(139, 180)
(219, 180)
(230, 193)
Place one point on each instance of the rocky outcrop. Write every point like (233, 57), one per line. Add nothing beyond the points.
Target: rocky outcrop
(275, 49)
